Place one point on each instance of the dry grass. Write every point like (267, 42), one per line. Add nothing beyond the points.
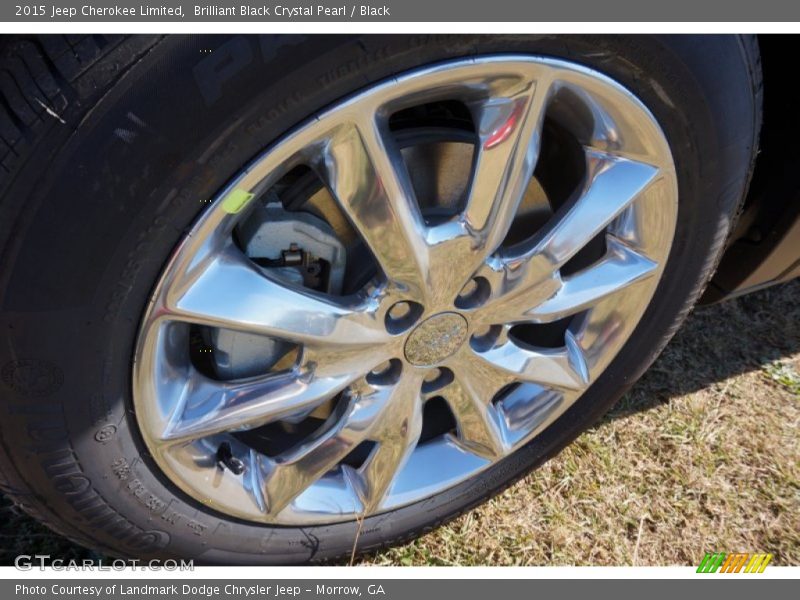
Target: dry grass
(703, 454)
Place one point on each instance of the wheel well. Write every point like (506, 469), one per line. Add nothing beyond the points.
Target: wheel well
(762, 250)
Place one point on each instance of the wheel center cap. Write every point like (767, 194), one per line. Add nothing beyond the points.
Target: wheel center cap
(436, 338)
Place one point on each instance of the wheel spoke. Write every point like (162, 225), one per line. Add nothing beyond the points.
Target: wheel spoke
(476, 382)
(509, 125)
(613, 183)
(509, 132)
(621, 268)
(478, 423)
(397, 436)
(231, 292)
(366, 174)
(289, 475)
(478, 377)
(618, 271)
(563, 368)
(211, 406)
(530, 276)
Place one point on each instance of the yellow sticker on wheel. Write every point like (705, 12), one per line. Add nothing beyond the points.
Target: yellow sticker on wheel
(236, 200)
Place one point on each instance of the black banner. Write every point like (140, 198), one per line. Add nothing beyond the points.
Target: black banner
(388, 589)
(441, 11)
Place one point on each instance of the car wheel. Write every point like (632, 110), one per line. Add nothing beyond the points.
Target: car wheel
(270, 299)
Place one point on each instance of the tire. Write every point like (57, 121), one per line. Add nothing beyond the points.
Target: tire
(109, 143)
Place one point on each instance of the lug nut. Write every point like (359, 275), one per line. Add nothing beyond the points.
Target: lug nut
(382, 368)
(482, 332)
(402, 315)
(399, 311)
(469, 289)
(386, 373)
(473, 294)
(486, 337)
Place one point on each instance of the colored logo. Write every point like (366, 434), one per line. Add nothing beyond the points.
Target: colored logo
(740, 562)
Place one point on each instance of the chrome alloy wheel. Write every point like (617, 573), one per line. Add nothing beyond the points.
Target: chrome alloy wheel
(443, 316)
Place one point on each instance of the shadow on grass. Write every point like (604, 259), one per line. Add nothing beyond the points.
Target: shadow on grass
(719, 342)
(716, 343)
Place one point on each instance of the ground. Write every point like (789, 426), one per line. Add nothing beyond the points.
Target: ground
(703, 454)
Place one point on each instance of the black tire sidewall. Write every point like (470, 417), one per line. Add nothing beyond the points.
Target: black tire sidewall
(101, 218)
